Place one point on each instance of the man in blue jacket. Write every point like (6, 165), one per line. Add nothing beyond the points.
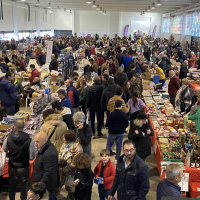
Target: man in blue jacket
(127, 58)
(169, 187)
(65, 101)
(8, 94)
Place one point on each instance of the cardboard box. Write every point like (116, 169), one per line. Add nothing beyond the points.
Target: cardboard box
(4, 127)
(34, 95)
(146, 87)
(149, 75)
(54, 79)
(146, 82)
(54, 88)
(26, 117)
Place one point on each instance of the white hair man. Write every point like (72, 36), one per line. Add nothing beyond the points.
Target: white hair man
(53, 64)
(169, 186)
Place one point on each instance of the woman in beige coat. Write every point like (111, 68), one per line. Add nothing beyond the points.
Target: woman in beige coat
(54, 121)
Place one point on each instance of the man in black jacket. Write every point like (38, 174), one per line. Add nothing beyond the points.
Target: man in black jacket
(46, 163)
(132, 175)
(53, 64)
(93, 102)
(21, 149)
(120, 77)
(120, 57)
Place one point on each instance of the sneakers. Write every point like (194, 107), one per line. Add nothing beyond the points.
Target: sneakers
(115, 162)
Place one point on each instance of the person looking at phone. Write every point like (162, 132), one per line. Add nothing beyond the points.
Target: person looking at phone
(83, 132)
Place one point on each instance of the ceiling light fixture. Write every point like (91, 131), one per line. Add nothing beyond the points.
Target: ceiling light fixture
(38, 3)
(88, 1)
(23, 0)
(149, 8)
(153, 6)
(94, 4)
(70, 12)
(143, 13)
(49, 5)
(98, 7)
(65, 9)
(101, 10)
(105, 13)
(158, 3)
(58, 7)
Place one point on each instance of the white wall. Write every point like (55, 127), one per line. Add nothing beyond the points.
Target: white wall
(62, 20)
(92, 22)
(156, 19)
(43, 24)
(7, 23)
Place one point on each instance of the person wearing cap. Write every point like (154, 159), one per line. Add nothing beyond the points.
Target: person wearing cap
(93, 103)
(140, 133)
(42, 58)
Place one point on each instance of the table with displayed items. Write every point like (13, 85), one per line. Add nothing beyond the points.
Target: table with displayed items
(194, 85)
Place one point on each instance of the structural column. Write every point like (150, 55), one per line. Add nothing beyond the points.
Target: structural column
(15, 28)
(37, 20)
(120, 25)
(73, 15)
(52, 22)
(183, 38)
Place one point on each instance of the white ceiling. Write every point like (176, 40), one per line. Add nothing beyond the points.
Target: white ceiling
(116, 5)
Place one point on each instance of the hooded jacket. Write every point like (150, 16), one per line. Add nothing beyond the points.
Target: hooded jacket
(8, 93)
(49, 123)
(126, 59)
(107, 94)
(66, 114)
(18, 145)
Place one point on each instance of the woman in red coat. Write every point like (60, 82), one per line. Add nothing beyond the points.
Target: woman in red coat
(92, 50)
(105, 169)
(34, 74)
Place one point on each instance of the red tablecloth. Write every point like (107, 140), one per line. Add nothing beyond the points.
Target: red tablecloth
(194, 189)
(194, 85)
(6, 174)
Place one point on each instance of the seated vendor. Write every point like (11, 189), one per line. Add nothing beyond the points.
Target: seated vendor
(34, 73)
(161, 74)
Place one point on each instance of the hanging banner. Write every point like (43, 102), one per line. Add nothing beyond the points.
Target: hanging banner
(126, 30)
(49, 51)
(1, 11)
(105, 35)
(29, 13)
(154, 32)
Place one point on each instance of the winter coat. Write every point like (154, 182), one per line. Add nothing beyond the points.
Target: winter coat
(196, 117)
(95, 67)
(168, 64)
(127, 95)
(126, 60)
(67, 118)
(83, 95)
(78, 87)
(42, 59)
(46, 166)
(131, 183)
(67, 103)
(34, 74)
(142, 140)
(5, 66)
(53, 65)
(120, 78)
(183, 72)
(163, 66)
(65, 159)
(72, 93)
(173, 86)
(49, 124)
(107, 94)
(8, 93)
(120, 58)
(84, 135)
(108, 174)
(84, 188)
(111, 104)
(93, 100)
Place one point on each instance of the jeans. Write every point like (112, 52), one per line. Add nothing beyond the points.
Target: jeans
(92, 118)
(172, 101)
(162, 81)
(110, 141)
(102, 192)
(51, 195)
(20, 176)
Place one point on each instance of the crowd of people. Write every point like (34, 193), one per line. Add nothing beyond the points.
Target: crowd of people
(110, 89)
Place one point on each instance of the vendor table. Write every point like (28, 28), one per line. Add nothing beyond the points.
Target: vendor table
(194, 85)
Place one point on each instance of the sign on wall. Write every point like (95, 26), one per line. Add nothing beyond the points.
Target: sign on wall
(49, 51)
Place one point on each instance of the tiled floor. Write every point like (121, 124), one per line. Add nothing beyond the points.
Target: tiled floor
(97, 145)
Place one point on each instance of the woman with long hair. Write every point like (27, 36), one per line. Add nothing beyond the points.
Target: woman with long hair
(135, 104)
(88, 78)
(126, 88)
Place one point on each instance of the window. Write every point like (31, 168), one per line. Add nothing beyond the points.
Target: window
(178, 24)
(193, 24)
(166, 25)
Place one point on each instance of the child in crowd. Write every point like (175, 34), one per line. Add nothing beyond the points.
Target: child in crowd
(2, 163)
(37, 191)
(106, 170)
(83, 177)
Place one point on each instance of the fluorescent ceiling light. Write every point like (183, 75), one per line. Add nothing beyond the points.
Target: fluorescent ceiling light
(88, 1)
(158, 3)
(153, 6)
(49, 5)
(38, 3)
(149, 9)
(94, 4)
(23, 0)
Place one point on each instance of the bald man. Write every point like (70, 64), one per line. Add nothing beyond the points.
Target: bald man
(21, 149)
(194, 99)
(173, 86)
(46, 163)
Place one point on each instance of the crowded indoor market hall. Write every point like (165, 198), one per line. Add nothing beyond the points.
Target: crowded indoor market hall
(99, 99)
